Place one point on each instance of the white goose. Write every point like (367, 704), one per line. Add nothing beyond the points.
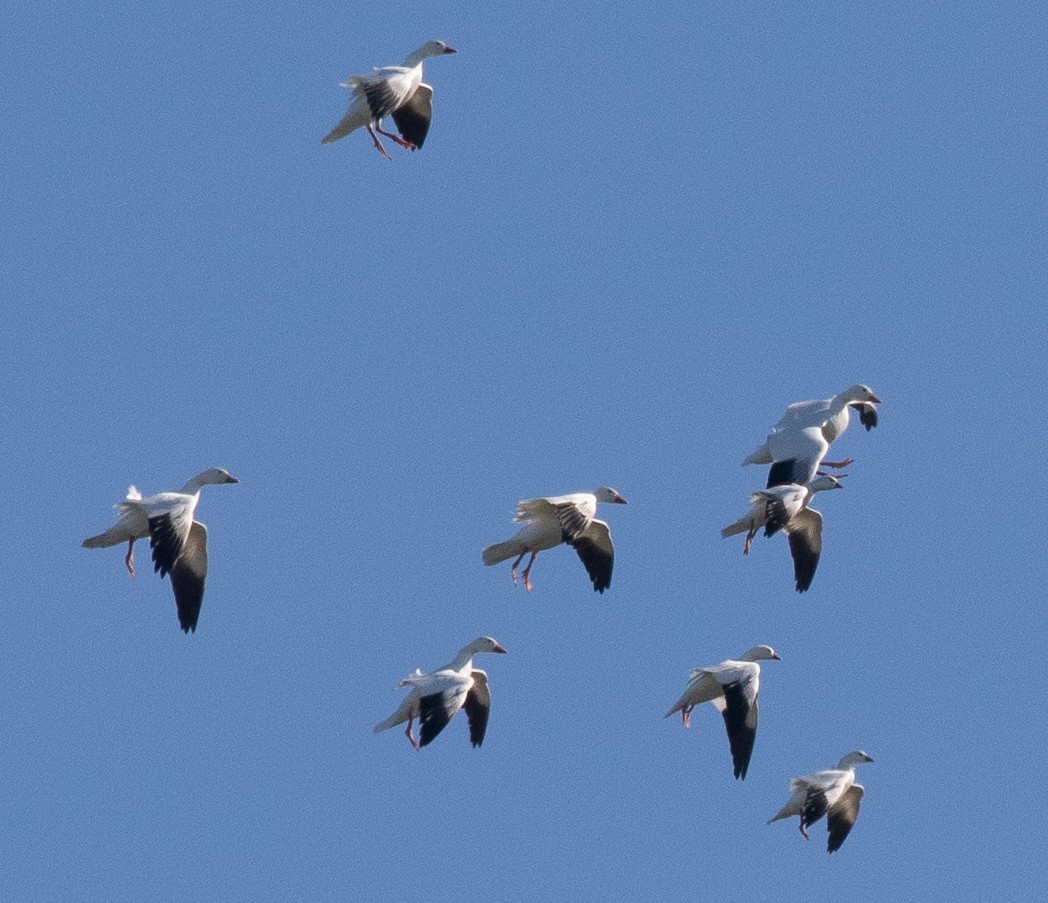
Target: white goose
(396, 91)
(732, 687)
(179, 542)
(799, 442)
(570, 519)
(787, 508)
(832, 793)
(436, 697)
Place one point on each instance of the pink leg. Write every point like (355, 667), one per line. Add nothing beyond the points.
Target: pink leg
(749, 540)
(847, 462)
(516, 564)
(804, 833)
(397, 138)
(527, 571)
(685, 715)
(378, 144)
(411, 734)
(129, 559)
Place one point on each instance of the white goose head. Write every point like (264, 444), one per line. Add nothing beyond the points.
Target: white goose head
(759, 654)
(824, 482)
(856, 757)
(858, 392)
(430, 48)
(215, 475)
(484, 644)
(211, 476)
(609, 496)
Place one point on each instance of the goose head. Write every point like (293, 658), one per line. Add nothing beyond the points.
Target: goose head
(211, 476)
(430, 48)
(826, 481)
(484, 644)
(859, 392)
(759, 654)
(609, 496)
(856, 757)
(215, 475)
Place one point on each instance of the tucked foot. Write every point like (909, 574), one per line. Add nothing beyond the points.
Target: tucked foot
(847, 462)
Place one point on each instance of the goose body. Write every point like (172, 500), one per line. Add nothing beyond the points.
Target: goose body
(732, 687)
(832, 793)
(396, 91)
(435, 697)
(797, 445)
(178, 541)
(787, 508)
(557, 519)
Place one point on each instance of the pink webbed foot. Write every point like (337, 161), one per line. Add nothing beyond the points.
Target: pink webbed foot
(804, 833)
(847, 462)
(129, 560)
(685, 715)
(411, 734)
(378, 144)
(392, 136)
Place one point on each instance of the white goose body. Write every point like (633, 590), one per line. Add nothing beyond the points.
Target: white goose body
(436, 696)
(396, 91)
(178, 541)
(797, 445)
(832, 793)
(732, 687)
(557, 519)
(787, 508)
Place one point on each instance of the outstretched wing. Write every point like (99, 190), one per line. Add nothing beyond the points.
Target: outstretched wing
(188, 575)
(597, 554)
(805, 533)
(740, 720)
(867, 414)
(414, 115)
(842, 815)
(478, 706)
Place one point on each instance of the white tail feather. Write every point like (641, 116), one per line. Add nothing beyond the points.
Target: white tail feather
(501, 551)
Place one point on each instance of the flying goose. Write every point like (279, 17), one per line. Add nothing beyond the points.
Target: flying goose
(435, 697)
(787, 508)
(178, 541)
(396, 91)
(799, 442)
(832, 793)
(732, 686)
(561, 518)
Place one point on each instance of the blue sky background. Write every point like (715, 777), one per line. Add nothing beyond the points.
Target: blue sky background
(630, 241)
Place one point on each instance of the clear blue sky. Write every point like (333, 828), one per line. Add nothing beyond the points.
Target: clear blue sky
(631, 239)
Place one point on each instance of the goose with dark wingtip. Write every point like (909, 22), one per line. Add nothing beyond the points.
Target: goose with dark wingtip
(570, 519)
(178, 541)
(787, 508)
(396, 91)
(732, 687)
(797, 446)
(832, 793)
(435, 697)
